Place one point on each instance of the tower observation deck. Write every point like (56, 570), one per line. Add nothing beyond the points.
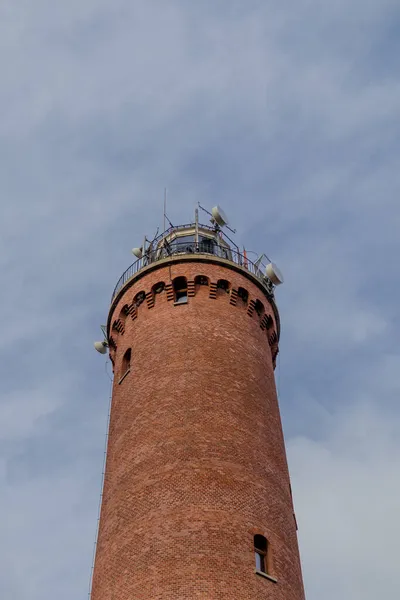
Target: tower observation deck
(197, 501)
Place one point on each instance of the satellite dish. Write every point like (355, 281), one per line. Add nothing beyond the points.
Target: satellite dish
(101, 347)
(219, 216)
(138, 252)
(274, 274)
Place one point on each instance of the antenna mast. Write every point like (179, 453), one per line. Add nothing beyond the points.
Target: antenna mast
(165, 207)
(213, 219)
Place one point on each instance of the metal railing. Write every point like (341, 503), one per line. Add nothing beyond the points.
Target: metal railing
(205, 246)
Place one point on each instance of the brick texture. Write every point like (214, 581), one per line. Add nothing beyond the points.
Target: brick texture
(196, 462)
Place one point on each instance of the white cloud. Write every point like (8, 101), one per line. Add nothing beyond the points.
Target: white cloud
(346, 489)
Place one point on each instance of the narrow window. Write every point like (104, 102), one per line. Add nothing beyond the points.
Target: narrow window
(123, 314)
(139, 298)
(243, 295)
(180, 290)
(260, 551)
(126, 363)
(259, 308)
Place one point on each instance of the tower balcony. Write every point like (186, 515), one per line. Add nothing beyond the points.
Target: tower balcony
(194, 242)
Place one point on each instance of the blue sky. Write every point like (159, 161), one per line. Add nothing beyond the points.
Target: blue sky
(286, 114)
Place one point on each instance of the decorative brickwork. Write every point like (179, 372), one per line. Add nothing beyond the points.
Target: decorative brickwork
(170, 291)
(150, 299)
(255, 306)
(250, 309)
(234, 295)
(266, 322)
(132, 311)
(118, 326)
(196, 463)
(213, 290)
(272, 339)
(191, 288)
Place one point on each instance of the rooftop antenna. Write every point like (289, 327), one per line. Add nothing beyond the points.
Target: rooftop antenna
(142, 251)
(258, 262)
(218, 217)
(169, 222)
(154, 238)
(101, 347)
(165, 207)
(138, 252)
(274, 274)
(196, 225)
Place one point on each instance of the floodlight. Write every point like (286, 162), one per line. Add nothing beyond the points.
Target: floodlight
(138, 252)
(101, 346)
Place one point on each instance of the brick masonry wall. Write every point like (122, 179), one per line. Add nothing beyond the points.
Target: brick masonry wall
(196, 461)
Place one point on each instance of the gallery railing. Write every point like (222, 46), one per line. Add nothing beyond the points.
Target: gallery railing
(205, 246)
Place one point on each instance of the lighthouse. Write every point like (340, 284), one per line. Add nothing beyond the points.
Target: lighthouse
(196, 500)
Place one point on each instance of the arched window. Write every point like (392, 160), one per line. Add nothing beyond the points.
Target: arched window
(261, 552)
(180, 290)
(243, 295)
(268, 322)
(123, 314)
(126, 364)
(118, 326)
(158, 287)
(139, 298)
(259, 308)
(223, 286)
(201, 280)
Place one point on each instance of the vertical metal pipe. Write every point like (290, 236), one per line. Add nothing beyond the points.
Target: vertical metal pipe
(196, 234)
(165, 207)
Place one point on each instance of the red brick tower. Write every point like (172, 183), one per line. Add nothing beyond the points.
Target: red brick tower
(196, 501)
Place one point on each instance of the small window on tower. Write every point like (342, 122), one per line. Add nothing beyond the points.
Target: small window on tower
(201, 280)
(259, 308)
(159, 287)
(139, 298)
(243, 295)
(223, 285)
(126, 365)
(260, 551)
(180, 290)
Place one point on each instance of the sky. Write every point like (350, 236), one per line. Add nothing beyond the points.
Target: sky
(287, 114)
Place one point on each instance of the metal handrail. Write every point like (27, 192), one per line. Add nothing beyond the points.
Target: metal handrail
(186, 226)
(209, 247)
